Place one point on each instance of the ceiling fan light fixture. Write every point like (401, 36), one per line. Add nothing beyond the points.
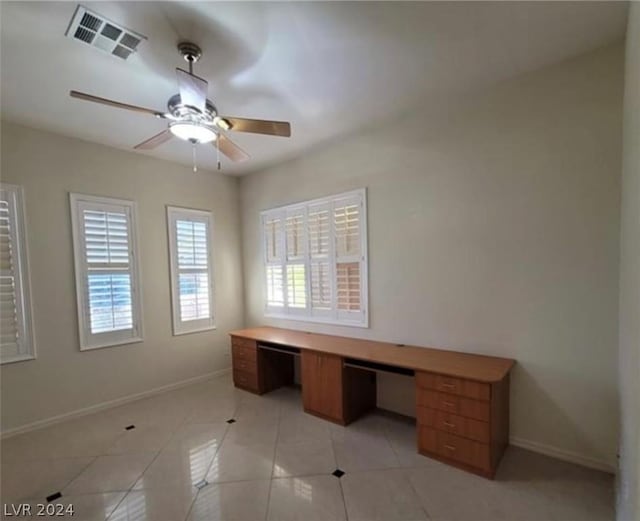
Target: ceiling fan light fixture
(223, 123)
(193, 132)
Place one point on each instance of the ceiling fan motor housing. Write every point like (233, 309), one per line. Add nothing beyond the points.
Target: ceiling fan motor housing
(185, 112)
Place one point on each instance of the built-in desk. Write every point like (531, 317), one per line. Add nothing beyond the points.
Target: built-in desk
(462, 399)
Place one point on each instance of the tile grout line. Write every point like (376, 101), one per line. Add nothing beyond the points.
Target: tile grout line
(184, 422)
(193, 502)
(226, 430)
(133, 484)
(173, 432)
(77, 475)
(413, 489)
(335, 463)
(344, 501)
(273, 464)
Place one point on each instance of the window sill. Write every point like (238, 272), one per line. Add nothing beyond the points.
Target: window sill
(318, 320)
(15, 359)
(194, 330)
(135, 340)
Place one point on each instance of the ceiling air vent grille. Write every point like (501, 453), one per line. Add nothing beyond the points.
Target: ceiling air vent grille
(96, 30)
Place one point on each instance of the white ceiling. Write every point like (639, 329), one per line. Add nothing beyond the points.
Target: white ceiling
(329, 68)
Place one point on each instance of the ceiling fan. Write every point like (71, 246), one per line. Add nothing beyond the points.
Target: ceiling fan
(194, 118)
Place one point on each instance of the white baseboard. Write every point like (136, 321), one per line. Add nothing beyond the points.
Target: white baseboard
(109, 404)
(562, 454)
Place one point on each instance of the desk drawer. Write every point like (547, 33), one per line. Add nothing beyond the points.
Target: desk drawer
(244, 353)
(243, 342)
(454, 424)
(476, 409)
(246, 380)
(455, 448)
(244, 365)
(451, 385)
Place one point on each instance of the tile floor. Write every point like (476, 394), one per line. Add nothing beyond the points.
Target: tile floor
(183, 461)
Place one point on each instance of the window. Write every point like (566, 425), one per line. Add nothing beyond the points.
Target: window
(16, 333)
(107, 272)
(315, 260)
(191, 273)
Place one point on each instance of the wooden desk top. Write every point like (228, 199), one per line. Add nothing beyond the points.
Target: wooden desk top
(452, 363)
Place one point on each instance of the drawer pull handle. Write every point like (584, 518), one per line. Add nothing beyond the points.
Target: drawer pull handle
(447, 424)
(449, 404)
(449, 447)
(448, 386)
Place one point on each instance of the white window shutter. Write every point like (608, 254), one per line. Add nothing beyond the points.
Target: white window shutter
(272, 229)
(108, 260)
(348, 239)
(16, 337)
(316, 260)
(8, 305)
(320, 251)
(275, 286)
(295, 236)
(296, 264)
(273, 241)
(348, 286)
(346, 216)
(107, 272)
(191, 269)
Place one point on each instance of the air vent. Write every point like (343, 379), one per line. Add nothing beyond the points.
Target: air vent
(96, 30)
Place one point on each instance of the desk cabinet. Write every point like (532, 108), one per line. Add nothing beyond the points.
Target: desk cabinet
(322, 385)
(244, 356)
(462, 422)
(257, 371)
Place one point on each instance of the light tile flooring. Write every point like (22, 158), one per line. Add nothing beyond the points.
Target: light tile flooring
(183, 461)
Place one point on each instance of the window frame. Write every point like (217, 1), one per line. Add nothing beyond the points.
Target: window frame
(179, 326)
(309, 314)
(24, 299)
(90, 341)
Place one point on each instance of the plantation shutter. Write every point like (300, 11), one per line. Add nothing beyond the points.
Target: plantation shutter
(9, 327)
(274, 260)
(321, 274)
(15, 326)
(191, 269)
(106, 271)
(315, 257)
(348, 244)
(296, 273)
(107, 253)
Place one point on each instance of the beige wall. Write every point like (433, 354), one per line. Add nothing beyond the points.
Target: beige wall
(629, 478)
(493, 228)
(63, 379)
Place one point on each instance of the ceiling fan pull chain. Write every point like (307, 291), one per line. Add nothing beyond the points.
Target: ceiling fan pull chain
(195, 167)
(218, 151)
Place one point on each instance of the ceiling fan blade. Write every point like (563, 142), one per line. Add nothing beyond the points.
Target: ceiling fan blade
(155, 141)
(257, 126)
(193, 90)
(117, 104)
(230, 149)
